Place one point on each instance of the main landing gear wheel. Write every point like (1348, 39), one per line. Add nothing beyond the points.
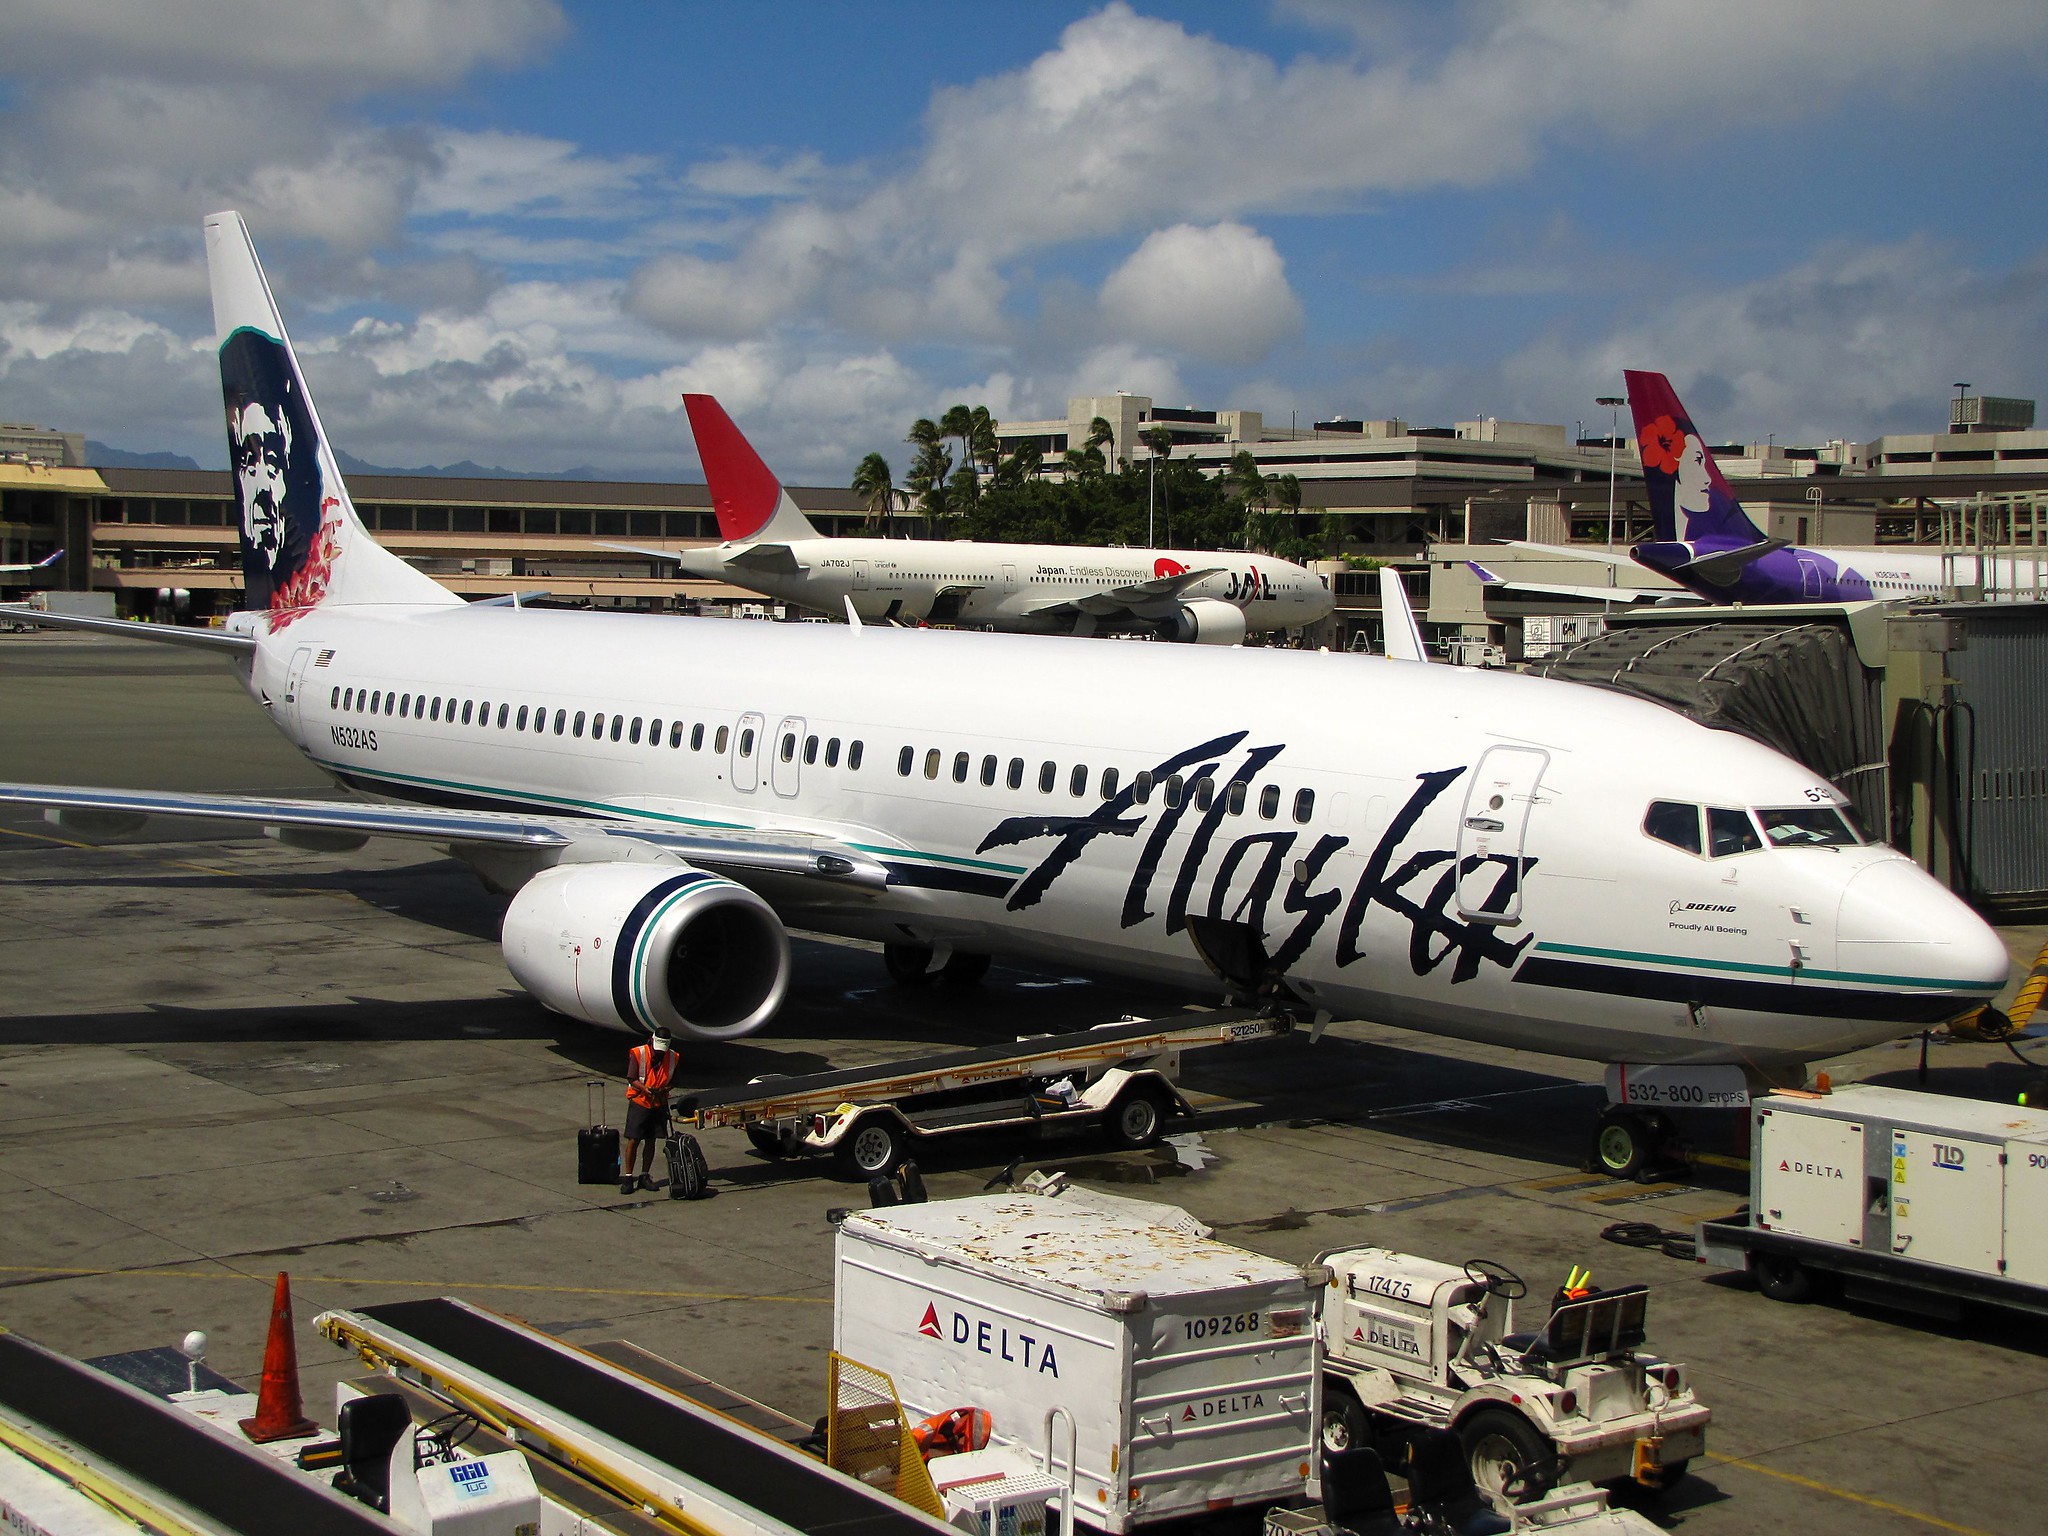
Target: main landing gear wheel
(1623, 1142)
(1511, 1463)
(909, 965)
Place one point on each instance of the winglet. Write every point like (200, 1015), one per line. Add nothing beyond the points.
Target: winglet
(749, 500)
(1680, 473)
(1404, 637)
(1484, 574)
(852, 613)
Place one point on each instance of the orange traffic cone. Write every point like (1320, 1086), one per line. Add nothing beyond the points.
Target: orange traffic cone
(279, 1413)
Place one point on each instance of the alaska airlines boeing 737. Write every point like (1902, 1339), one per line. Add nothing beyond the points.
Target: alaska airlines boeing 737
(1717, 553)
(1493, 857)
(769, 546)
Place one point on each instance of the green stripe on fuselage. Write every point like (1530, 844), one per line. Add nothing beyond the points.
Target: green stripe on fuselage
(1753, 968)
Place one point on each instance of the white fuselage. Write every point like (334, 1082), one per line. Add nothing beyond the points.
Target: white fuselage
(1382, 814)
(1008, 586)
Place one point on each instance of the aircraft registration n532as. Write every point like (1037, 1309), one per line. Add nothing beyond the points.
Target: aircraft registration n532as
(1496, 857)
(769, 546)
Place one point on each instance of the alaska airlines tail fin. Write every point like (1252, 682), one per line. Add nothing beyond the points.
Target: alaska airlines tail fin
(302, 543)
(751, 504)
(1682, 475)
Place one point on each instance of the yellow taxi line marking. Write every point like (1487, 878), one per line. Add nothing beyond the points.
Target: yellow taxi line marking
(1843, 1493)
(454, 1287)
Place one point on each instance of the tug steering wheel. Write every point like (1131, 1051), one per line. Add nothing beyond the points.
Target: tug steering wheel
(1498, 1279)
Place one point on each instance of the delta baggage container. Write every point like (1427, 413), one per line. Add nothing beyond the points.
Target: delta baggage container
(1889, 1187)
(1188, 1365)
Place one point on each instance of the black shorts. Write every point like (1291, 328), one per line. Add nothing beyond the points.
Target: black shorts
(644, 1124)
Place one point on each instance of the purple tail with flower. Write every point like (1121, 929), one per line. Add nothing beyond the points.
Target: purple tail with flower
(1689, 498)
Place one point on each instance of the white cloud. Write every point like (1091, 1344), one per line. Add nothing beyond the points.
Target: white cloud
(751, 176)
(488, 175)
(1121, 366)
(1219, 293)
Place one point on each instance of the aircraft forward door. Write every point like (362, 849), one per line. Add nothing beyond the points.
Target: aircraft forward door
(747, 748)
(1809, 578)
(294, 681)
(860, 575)
(785, 771)
(1493, 830)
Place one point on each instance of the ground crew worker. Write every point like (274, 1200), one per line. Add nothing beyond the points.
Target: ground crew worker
(650, 1069)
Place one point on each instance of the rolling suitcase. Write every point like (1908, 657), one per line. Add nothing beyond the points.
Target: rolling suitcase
(689, 1178)
(597, 1144)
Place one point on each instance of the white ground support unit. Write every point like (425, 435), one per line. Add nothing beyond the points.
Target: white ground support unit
(1187, 1365)
(1413, 1343)
(1897, 1192)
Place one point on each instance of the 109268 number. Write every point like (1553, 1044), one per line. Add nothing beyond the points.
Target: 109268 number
(1220, 1327)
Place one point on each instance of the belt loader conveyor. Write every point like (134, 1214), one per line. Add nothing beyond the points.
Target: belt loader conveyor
(691, 1468)
(868, 1115)
(154, 1463)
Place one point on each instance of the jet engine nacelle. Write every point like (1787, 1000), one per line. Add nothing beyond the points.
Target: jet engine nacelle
(1206, 621)
(636, 946)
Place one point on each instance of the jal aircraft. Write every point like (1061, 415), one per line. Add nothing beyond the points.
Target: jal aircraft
(1176, 594)
(1488, 856)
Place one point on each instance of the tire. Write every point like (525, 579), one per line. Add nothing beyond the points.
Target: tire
(764, 1141)
(963, 969)
(909, 965)
(1345, 1426)
(1511, 1462)
(874, 1145)
(1782, 1277)
(1671, 1474)
(1138, 1118)
(1621, 1144)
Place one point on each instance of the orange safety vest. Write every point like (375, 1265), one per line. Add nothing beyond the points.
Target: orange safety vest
(655, 1074)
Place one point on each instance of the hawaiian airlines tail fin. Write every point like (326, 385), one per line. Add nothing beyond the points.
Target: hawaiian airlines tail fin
(302, 543)
(1684, 481)
(751, 504)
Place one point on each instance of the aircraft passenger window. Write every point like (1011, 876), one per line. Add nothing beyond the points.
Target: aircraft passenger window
(435, 714)
(654, 733)
(747, 742)
(1269, 802)
(597, 726)
(960, 761)
(1304, 804)
(1109, 783)
(989, 766)
(1807, 826)
(832, 753)
(632, 733)
(697, 738)
(467, 709)
(1671, 822)
(810, 750)
(576, 725)
(334, 698)
(1173, 789)
(519, 720)
(1047, 772)
(505, 713)
(1141, 788)
(789, 746)
(1205, 792)
(1730, 831)
(931, 762)
(561, 718)
(675, 735)
(1014, 777)
(1077, 781)
(719, 738)
(617, 722)
(904, 760)
(853, 756)
(1234, 799)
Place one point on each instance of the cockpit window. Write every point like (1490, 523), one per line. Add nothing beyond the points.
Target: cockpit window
(1729, 831)
(1807, 826)
(1670, 822)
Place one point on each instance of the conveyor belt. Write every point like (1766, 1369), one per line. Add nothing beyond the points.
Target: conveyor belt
(701, 1389)
(156, 1447)
(913, 1066)
(774, 1481)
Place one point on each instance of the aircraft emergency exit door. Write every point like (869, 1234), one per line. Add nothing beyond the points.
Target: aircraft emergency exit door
(1492, 831)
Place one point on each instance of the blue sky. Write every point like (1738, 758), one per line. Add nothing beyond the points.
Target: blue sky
(515, 231)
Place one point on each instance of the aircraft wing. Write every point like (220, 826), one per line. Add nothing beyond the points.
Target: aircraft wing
(1404, 635)
(1134, 595)
(35, 565)
(1589, 593)
(712, 564)
(161, 634)
(1572, 552)
(789, 853)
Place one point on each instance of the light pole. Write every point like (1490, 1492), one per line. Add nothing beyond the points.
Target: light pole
(1614, 404)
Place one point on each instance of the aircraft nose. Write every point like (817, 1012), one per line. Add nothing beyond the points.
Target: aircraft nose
(1896, 919)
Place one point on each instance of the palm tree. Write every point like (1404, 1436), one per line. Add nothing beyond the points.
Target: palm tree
(876, 487)
(1100, 436)
(1244, 481)
(1021, 466)
(986, 448)
(1160, 440)
(959, 422)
